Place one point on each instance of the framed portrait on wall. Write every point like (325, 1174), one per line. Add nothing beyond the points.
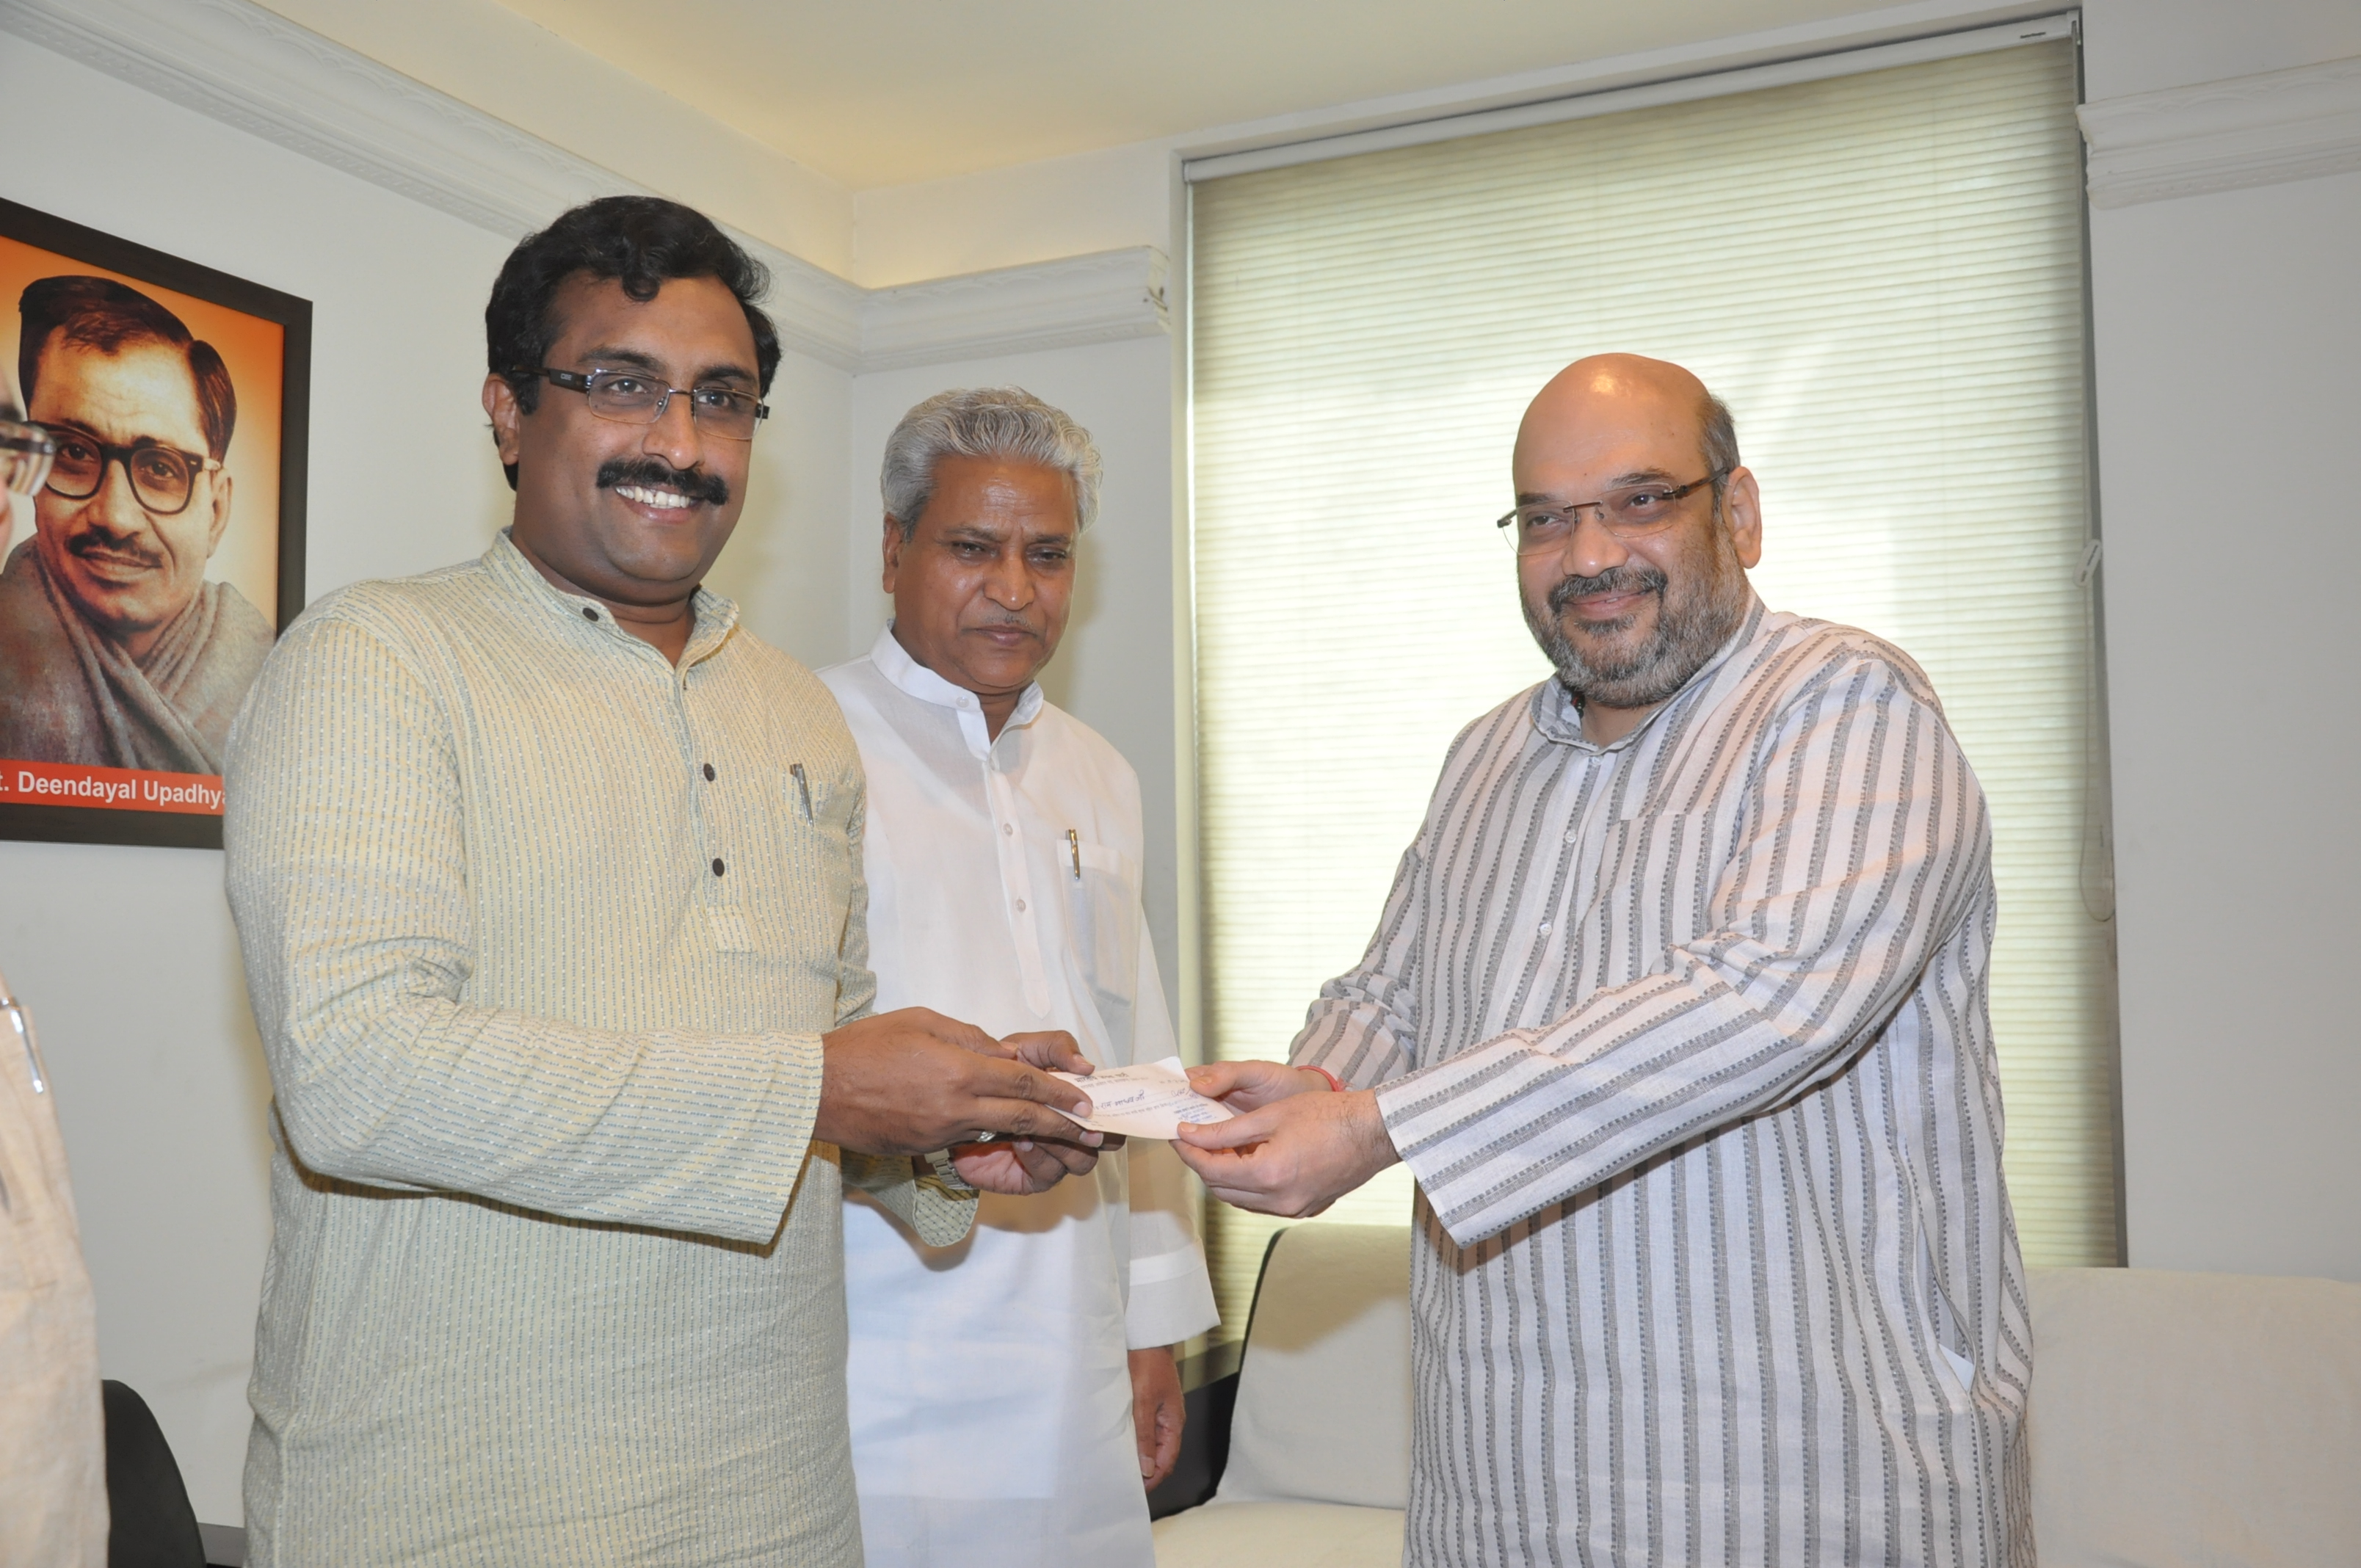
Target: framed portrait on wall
(141, 585)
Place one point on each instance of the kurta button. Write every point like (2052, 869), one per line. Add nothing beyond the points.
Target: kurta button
(708, 772)
(1007, 828)
(717, 866)
(1020, 906)
(590, 614)
(1545, 926)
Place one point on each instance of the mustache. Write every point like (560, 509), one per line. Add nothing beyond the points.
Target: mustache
(87, 540)
(656, 473)
(1632, 577)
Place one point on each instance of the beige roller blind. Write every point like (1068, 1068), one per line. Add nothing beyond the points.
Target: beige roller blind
(1882, 275)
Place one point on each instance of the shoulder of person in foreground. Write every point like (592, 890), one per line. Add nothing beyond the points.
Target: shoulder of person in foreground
(1505, 723)
(1796, 653)
(402, 617)
(400, 613)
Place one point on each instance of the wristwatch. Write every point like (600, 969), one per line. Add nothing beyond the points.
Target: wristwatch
(942, 1173)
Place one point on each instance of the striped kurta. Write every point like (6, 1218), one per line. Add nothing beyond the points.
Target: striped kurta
(1685, 1041)
(542, 933)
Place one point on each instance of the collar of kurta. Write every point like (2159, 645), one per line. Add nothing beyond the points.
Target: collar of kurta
(894, 662)
(1558, 717)
(716, 616)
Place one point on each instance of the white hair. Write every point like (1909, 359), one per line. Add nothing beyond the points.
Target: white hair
(1004, 422)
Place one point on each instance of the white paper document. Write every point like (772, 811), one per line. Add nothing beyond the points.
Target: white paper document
(1148, 1101)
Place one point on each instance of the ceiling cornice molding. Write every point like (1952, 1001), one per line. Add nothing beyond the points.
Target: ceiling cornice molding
(2224, 135)
(236, 62)
(246, 67)
(233, 61)
(817, 312)
(1104, 298)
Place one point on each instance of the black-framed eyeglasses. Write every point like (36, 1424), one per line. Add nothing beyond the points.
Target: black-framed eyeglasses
(163, 478)
(1625, 513)
(630, 397)
(25, 451)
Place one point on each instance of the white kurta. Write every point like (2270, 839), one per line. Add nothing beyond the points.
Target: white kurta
(991, 1396)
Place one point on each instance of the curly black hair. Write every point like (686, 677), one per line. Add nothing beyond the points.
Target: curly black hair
(641, 242)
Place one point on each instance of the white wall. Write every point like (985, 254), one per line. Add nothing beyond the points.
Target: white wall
(1114, 671)
(1091, 202)
(2226, 333)
(2141, 45)
(786, 563)
(127, 955)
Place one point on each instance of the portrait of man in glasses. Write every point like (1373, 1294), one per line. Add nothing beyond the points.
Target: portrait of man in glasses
(114, 651)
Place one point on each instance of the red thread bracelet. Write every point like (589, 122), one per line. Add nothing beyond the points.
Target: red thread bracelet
(1334, 1087)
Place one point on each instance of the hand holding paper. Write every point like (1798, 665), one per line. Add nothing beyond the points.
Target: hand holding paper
(1024, 1166)
(1294, 1155)
(1150, 1100)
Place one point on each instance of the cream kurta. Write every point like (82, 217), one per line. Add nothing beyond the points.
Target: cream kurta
(541, 934)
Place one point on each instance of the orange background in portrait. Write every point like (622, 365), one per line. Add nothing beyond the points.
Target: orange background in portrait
(255, 352)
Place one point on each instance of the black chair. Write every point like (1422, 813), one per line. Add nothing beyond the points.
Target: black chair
(1210, 1385)
(154, 1527)
(1211, 1382)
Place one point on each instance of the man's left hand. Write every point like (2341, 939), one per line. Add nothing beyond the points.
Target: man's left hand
(1019, 1168)
(1158, 1412)
(1293, 1156)
(1023, 1166)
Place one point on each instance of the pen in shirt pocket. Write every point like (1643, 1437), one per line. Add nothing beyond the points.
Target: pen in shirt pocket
(1074, 842)
(803, 788)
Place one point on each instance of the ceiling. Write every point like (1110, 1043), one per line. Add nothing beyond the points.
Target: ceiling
(875, 93)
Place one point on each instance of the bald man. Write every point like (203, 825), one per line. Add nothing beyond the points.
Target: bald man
(1677, 1014)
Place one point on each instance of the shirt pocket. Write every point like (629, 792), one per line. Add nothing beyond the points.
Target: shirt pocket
(817, 859)
(1103, 914)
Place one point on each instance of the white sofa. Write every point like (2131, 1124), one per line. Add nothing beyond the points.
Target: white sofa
(2178, 1421)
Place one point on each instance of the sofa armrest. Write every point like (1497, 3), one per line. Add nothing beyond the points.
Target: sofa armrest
(2184, 1420)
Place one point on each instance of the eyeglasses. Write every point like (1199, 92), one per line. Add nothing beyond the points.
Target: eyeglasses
(1627, 513)
(24, 454)
(627, 397)
(163, 477)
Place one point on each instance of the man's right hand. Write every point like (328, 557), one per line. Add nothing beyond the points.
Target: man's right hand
(913, 1080)
(1246, 1086)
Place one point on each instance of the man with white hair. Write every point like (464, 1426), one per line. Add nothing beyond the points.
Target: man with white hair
(1012, 1396)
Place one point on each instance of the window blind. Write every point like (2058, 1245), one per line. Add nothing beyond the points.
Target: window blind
(1883, 274)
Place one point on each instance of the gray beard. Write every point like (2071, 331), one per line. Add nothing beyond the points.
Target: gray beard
(1691, 625)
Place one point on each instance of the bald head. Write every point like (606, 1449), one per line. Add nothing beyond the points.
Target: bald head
(1630, 394)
